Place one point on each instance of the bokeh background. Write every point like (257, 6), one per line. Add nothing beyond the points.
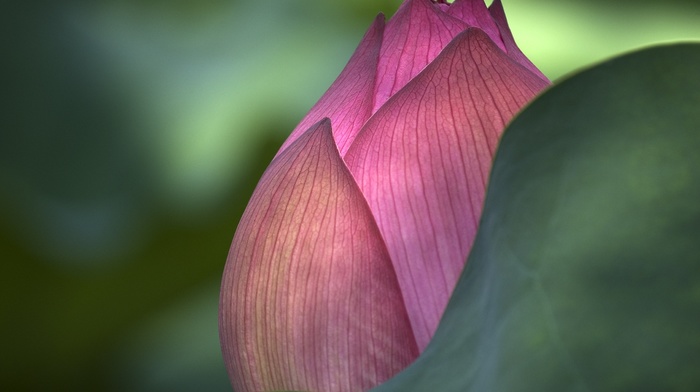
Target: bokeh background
(132, 135)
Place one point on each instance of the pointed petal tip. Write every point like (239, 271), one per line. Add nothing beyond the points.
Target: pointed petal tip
(414, 36)
(348, 101)
(499, 16)
(475, 14)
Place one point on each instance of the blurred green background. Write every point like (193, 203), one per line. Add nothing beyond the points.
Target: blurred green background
(132, 135)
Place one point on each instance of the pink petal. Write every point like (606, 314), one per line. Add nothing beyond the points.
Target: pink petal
(475, 14)
(413, 38)
(499, 15)
(309, 298)
(422, 161)
(348, 101)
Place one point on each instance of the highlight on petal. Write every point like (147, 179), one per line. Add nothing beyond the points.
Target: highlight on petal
(414, 36)
(499, 15)
(348, 101)
(309, 297)
(423, 160)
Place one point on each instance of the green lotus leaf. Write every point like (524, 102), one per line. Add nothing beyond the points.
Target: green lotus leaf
(585, 273)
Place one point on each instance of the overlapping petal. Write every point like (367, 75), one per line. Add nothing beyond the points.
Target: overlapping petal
(475, 14)
(309, 298)
(422, 161)
(414, 36)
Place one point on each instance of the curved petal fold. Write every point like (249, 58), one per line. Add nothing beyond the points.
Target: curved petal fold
(348, 101)
(423, 160)
(310, 300)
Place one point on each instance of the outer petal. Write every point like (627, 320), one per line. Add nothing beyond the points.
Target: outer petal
(414, 36)
(499, 15)
(309, 298)
(423, 160)
(348, 101)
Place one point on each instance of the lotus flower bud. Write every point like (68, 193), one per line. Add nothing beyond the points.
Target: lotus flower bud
(347, 253)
